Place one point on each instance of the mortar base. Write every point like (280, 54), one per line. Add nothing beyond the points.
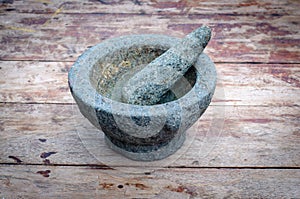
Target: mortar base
(158, 154)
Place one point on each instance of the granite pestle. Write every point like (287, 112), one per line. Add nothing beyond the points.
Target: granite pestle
(148, 86)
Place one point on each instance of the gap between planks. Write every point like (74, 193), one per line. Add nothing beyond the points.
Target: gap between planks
(215, 62)
(211, 105)
(105, 167)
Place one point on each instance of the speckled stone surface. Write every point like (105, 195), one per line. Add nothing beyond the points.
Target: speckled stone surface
(148, 85)
(138, 132)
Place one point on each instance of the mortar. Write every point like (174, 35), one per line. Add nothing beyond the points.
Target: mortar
(138, 132)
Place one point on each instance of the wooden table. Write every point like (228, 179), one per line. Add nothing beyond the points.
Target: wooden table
(246, 145)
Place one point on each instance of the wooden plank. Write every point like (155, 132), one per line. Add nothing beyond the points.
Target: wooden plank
(238, 84)
(224, 136)
(41, 82)
(85, 182)
(152, 7)
(241, 38)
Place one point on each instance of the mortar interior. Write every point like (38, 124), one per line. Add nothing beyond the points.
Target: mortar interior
(111, 72)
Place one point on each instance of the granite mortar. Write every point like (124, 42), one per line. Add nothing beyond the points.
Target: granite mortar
(144, 133)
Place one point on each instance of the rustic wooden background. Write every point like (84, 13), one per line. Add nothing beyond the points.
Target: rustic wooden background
(250, 151)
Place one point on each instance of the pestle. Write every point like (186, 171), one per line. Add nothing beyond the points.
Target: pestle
(148, 86)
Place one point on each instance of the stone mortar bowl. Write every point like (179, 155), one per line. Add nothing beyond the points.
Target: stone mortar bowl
(144, 133)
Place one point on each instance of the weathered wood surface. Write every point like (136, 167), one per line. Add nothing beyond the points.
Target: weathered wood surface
(236, 38)
(87, 182)
(180, 7)
(243, 136)
(238, 84)
(245, 146)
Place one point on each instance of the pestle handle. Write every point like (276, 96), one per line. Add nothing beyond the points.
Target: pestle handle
(148, 85)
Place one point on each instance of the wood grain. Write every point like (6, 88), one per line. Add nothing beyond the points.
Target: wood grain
(180, 7)
(246, 145)
(87, 182)
(240, 136)
(241, 38)
(238, 84)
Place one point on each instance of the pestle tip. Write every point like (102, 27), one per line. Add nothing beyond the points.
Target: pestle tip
(203, 34)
